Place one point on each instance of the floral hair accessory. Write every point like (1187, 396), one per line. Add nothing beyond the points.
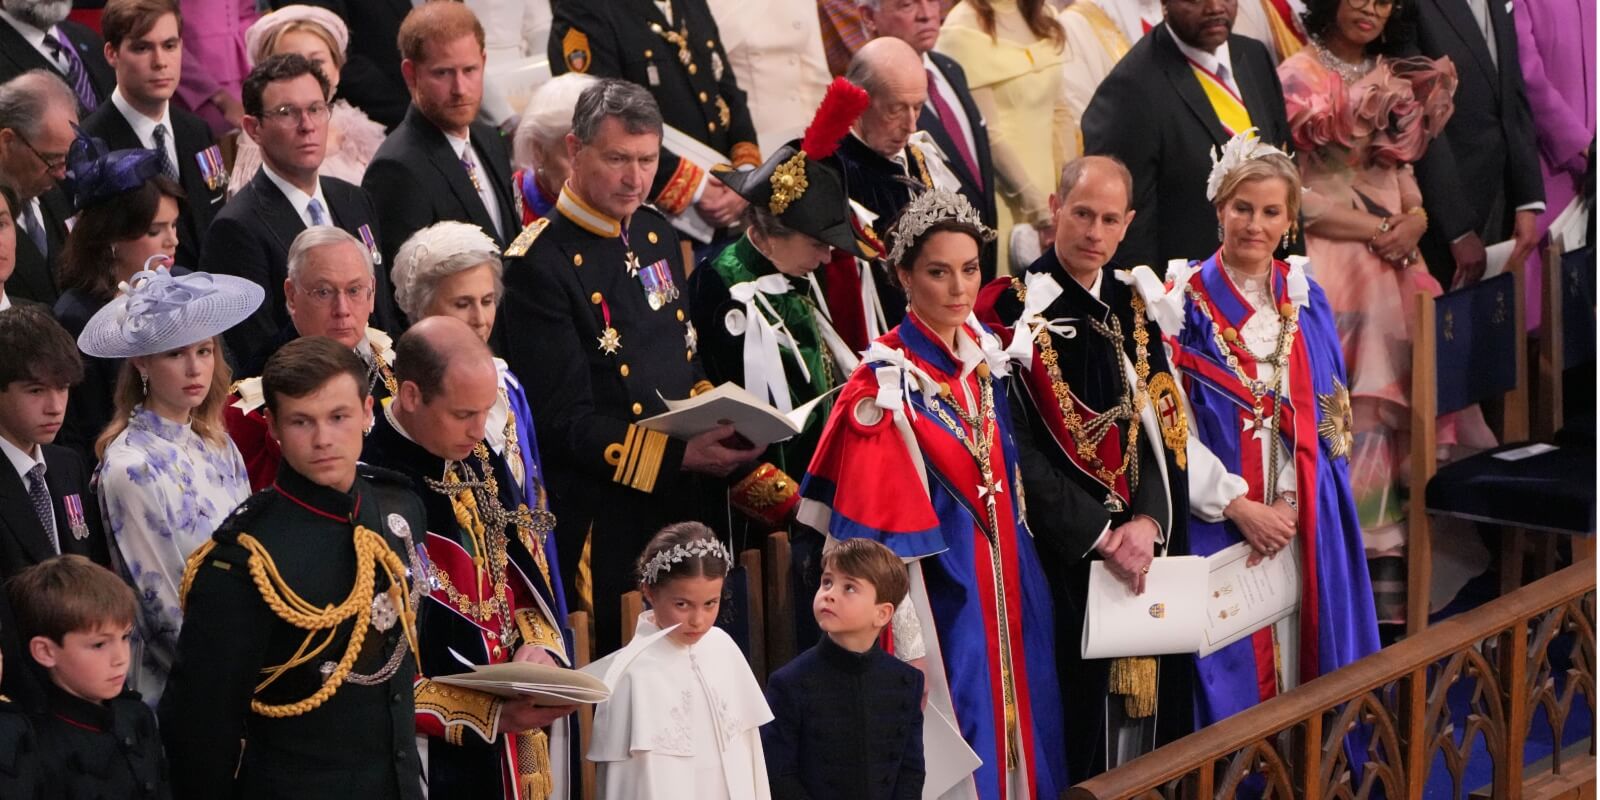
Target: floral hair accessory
(1244, 146)
(662, 562)
(927, 210)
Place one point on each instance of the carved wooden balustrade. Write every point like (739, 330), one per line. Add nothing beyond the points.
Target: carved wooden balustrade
(1391, 712)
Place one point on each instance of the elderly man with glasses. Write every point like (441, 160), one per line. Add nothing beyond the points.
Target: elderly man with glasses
(328, 292)
(37, 114)
(286, 114)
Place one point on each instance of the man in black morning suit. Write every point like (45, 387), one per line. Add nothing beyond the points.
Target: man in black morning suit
(251, 237)
(36, 35)
(964, 138)
(37, 114)
(147, 55)
(1153, 115)
(45, 505)
(439, 164)
(1480, 181)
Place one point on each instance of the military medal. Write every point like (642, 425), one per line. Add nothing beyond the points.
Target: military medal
(398, 525)
(75, 519)
(691, 338)
(610, 339)
(212, 168)
(365, 231)
(678, 40)
(659, 288)
(723, 113)
(716, 65)
(384, 614)
(653, 74)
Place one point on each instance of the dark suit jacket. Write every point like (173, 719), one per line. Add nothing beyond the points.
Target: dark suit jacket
(1487, 162)
(35, 275)
(370, 78)
(1151, 113)
(416, 180)
(251, 237)
(979, 192)
(193, 137)
(17, 57)
(23, 543)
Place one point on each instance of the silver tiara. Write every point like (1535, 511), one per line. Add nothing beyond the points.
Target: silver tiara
(663, 561)
(928, 209)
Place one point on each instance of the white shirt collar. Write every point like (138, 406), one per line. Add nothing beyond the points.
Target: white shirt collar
(20, 461)
(32, 35)
(458, 143)
(300, 200)
(1209, 61)
(5, 299)
(1094, 288)
(145, 127)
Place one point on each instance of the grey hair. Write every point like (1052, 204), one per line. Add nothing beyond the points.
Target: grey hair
(548, 116)
(318, 236)
(872, 4)
(1072, 174)
(634, 107)
(25, 99)
(861, 72)
(435, 253)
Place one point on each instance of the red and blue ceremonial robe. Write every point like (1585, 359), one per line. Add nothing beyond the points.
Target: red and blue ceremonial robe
(1337, 624)
(892, 466)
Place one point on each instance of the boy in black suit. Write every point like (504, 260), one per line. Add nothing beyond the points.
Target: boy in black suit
(286, 114)
(847, 717)
(96, 737)
(45, 505)
(144, 47)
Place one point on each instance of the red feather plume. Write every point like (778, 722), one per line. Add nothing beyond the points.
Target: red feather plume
(840, 107)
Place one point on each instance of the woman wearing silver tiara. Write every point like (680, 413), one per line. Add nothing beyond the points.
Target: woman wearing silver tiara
(685, 714)
(169, 474)
(918, 455)
(1270, 432)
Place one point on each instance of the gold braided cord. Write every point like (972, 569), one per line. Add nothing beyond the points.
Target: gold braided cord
(190, 568)
(371, 552)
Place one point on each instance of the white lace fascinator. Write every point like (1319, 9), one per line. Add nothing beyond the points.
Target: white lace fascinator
(1243, 147)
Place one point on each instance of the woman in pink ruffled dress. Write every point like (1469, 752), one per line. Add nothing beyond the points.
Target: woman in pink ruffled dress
(1358, 119)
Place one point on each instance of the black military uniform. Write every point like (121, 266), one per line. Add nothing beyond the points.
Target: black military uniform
(358, 742)
(455, 625)
(19, 753)
(92, 750)
(602, 344)
(680, 60)
(1069, 508)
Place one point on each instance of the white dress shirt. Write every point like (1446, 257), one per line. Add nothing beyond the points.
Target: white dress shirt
(300, 200)
(35, 37)
(1218, 63)
(145, 127)
(485, 182)
(5, 299)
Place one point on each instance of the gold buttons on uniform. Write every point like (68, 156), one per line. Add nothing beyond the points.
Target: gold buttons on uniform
(649, 54)
(595, 298)
(680, 315)
(703, 97)
(652, 237)
(1230, 335)
(624, 370)
(710, 44)
(711, 126)
(688, 355)
(577, 259)
(637, 409)
(693, 69)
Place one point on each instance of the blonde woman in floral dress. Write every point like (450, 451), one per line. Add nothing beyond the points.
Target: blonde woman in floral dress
(1359, 118)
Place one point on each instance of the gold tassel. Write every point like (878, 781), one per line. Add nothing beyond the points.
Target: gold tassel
(533, 765)
(1135, 679)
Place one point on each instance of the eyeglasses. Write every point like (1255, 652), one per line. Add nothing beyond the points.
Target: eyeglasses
(284, 116)
(53, 162)
(1375, 5)
(325, 295)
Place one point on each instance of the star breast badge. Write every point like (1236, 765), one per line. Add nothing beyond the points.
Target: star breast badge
(1336, 426)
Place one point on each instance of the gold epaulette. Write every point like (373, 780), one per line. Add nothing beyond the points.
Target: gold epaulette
(519, 246)
(767, 494)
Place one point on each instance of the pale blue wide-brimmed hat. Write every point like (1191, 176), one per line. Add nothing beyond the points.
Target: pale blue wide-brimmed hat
(159, 311)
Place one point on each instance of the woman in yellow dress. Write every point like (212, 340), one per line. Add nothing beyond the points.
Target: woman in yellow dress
(1012, 51)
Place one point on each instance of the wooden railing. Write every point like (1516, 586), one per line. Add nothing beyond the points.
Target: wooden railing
(1393, 707)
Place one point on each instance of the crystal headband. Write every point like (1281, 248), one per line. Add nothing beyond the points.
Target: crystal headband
(663, 561)
(928, 209)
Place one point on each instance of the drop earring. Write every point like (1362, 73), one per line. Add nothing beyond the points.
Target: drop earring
(1286, 240)
(144, 384)
(1219, 231)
